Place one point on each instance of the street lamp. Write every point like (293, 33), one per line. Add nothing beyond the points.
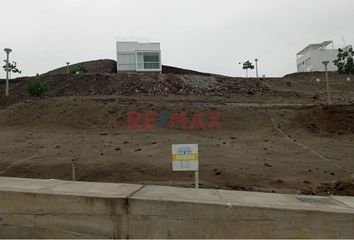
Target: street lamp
(67, 67)
(7, 50)
(325, 63)
(256, 60)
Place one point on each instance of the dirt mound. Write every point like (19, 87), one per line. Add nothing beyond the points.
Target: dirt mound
(341, 188)
(96, 66)
(315, 83)
(102, 78)
(41, 135)
(175, 70)
(329, 119)
(110, 66)
(146, 84)
(306, 76)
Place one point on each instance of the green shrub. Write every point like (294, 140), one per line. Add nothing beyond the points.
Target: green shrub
(344, 61)
(79, 69)
(37, 86)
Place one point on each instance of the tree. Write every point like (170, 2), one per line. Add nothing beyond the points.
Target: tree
(37, 86)
(247, 65)
(344, 61)
(12, 67)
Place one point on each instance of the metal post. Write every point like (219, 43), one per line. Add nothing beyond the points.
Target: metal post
(73, 171)
(256, 67)
(328, 90)
(73, 166)
(67, 67)
(325, 63)
(7, 50)
(196, 178)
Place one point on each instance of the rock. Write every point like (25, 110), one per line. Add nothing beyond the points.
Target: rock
(217, 172)
(279, 181)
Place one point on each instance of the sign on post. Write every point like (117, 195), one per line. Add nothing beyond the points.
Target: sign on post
(185, 158)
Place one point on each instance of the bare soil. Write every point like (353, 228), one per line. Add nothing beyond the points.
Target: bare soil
(274, 136)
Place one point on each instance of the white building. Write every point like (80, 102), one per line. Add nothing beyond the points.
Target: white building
(138, 57)
(311, 57)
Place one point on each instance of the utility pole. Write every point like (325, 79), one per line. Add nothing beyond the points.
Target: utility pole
(256, 60)
(325, 63)
(67, 67)
(7, 50)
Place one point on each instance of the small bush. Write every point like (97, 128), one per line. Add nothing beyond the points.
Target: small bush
(344, 61)
(79, 69)
(37, 87)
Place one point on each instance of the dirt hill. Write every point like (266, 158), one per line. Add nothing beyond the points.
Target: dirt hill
(276, 135)
(97, 66)
(101, 78)
(110, 66)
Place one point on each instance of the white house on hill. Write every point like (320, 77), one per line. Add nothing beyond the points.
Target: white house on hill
(311, 57)
(138, 57)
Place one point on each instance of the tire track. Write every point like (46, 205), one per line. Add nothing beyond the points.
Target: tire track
(308, 149)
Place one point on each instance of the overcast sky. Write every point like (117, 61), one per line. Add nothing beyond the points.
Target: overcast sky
(205, 35)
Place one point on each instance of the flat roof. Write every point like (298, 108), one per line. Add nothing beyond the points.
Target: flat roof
(137, 42)
(315, 46)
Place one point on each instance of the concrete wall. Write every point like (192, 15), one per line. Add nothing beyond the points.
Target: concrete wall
(32, 208)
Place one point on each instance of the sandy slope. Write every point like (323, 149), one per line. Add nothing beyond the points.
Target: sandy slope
(281, 149)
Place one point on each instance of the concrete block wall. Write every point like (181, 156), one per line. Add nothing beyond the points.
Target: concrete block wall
(33, 208)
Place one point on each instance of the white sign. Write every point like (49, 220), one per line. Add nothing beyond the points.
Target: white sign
(185, 157)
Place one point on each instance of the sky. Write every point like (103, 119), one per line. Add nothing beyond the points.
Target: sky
(204, 35)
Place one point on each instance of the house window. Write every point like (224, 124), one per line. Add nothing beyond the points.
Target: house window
(126, 61)
(148, 60)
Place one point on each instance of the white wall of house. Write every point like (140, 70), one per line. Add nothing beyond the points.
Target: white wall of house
(138, 57)
(319, 56)
(311, 57)
(312, 61)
